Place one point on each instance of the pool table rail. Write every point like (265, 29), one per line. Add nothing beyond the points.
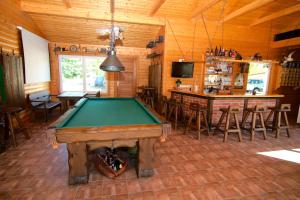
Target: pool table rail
(86, 134)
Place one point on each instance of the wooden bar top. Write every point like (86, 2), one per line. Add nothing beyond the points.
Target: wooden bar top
(224, 96)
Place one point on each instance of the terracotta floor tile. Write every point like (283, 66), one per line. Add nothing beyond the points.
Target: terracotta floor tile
(90, 191)
(133, 186)
(115, 197)
(142, 196)
(116, 187)
(185, 168)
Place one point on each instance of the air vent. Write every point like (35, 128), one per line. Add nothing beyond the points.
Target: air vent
(287, 35)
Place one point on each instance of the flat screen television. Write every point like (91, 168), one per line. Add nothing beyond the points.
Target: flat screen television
(182, 69)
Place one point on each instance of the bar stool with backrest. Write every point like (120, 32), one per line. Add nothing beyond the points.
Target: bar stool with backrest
(228, 113)
(140, 92)
(176, 109)
(149, 96)
(256, 111)
(277, 121)
(196, 111)
(164, 105)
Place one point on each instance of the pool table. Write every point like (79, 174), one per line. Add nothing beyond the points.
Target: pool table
(107, 122)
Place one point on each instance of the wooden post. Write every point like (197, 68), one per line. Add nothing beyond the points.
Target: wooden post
(210, 112)
(277, 107)
(78, 169)
(245, 106)
(146, 157)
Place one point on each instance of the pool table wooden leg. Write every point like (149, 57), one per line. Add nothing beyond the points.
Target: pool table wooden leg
(146, 157)
(78, 169)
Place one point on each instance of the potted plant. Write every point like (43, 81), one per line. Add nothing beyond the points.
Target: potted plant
(178, 82)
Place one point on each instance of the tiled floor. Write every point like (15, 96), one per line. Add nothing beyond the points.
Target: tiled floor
(185, 169)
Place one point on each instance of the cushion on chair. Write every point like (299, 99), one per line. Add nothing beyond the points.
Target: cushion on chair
(39, 96)
(49, 105)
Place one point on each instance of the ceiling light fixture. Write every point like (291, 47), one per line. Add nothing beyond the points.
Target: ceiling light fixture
(112, 63)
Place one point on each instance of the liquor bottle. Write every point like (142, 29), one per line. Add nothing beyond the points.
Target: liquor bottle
(233, 54)
(229, 53)
(117, 164)
(223, 52)
(207, 52)
(216, 51)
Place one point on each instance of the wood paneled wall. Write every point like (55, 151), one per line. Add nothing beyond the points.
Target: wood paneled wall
(184, 39)
(138, 54)
(10, 17)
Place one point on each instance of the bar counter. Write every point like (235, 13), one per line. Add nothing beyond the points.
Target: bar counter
(214, 102)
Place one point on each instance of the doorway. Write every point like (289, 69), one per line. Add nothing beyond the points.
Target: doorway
(126, 80)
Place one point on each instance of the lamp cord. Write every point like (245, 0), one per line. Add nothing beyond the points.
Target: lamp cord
(194, 39)
(223, 7)
(176, 39)
(209, 40)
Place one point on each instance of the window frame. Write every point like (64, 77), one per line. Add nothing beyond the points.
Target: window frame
(266, 82)
(84, 72)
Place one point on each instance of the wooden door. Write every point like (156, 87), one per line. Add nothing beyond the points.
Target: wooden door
(127, 79)
(12, 81)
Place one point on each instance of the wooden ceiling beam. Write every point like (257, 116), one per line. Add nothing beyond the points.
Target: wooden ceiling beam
(247, 8)
(67, 3)
(277, 14)
(157, 6)
(89, 14)
(197, 12)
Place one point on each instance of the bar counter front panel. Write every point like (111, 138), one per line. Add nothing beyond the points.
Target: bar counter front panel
(215, 102)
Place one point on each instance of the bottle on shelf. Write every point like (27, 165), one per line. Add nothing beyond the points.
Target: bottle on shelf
(216, 51)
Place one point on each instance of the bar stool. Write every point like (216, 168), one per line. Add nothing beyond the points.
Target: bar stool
(229, 112)
(256, 111)
(164, 103)
(175, 108)
(276, 124)
(12, 113)
(149, 100)
(196, 111)
(149, 96)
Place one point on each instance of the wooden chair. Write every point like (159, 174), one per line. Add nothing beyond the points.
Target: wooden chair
(175, 108)
(11, 114)
(149, 96)
(277, 121)
(164, 102)
(229, 112)
(256, 111)
(41, 101)
(195, 111)
(141, 92)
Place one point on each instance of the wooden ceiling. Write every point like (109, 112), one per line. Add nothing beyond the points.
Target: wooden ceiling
(76, 21)
(83, 31)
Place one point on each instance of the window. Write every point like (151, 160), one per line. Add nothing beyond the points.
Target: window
(82, 73)
(258, 78)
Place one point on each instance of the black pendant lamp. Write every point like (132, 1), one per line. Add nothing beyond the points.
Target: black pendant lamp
(112, 63)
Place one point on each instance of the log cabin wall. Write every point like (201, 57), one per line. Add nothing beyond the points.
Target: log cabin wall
(187, 40)
(10, 17)
(138, 54)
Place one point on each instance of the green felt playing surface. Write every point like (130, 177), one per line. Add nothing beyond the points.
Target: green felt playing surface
(109, 112)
